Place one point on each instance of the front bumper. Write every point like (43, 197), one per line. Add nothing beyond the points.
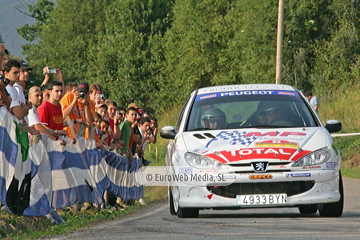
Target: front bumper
(322, 187)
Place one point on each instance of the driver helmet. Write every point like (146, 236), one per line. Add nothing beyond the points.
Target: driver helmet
(214, 118)
(270, 111)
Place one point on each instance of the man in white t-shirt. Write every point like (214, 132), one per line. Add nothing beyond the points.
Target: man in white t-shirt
(314, 101)
(17, 108)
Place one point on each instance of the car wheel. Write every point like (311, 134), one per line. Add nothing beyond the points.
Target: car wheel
(188, 212)
(181, 212)
(309, 209)
(333, 209)
(171, 203)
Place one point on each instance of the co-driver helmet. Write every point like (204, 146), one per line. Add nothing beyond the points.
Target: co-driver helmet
(269, 111)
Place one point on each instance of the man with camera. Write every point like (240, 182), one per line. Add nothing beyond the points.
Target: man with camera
(47, 71)
(153, 129)
(79, 107)
(96, 95)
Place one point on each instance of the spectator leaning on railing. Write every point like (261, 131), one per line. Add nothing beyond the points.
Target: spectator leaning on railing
(126, 130)
(35, 97)
(49, 111)
(114, 120)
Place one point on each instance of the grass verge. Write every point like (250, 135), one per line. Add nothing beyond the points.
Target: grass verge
(14, 227)
(348, 172)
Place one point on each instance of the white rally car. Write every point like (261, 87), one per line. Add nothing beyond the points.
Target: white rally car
(262, 145)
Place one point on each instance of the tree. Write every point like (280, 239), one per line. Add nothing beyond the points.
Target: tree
(131, 50)
(69, 40)
(194, 47)
(40, 12)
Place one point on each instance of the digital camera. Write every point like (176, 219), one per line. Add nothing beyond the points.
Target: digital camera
(4, 79)
(82, 95)
(50, 71)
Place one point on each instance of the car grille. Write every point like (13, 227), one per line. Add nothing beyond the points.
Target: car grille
(249, 164)
(290, 188)
(240, 166)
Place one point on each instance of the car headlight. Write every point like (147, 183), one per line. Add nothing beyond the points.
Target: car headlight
(315, 158)
(198, 161)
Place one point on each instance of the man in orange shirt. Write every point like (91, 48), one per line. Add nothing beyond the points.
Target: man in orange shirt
(79, 107)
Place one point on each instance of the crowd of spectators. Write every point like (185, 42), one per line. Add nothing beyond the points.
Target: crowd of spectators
(57, 109)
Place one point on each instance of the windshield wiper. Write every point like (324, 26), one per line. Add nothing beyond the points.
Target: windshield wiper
(265, 126)
(198, 129)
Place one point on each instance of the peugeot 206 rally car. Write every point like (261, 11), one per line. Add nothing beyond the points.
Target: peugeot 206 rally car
(252, 146)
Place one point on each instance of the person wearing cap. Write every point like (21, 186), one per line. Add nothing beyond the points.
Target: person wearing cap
(24, 77)
(21, 84)
(79, 107)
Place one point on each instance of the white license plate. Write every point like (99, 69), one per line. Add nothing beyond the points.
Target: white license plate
(263, 199)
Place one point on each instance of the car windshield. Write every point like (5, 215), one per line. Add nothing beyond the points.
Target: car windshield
(262, 109)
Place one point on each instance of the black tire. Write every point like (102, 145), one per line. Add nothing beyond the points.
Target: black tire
(188, 212)
(308, 209)
(171, 202)
(333, 209)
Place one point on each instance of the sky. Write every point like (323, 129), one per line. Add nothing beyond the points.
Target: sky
(10, 19)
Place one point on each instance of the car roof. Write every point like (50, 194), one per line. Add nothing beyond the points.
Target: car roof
(245, 87)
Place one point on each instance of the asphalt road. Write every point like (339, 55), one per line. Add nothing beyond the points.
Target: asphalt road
(155, 222)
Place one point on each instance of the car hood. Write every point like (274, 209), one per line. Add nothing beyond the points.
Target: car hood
(247, 144)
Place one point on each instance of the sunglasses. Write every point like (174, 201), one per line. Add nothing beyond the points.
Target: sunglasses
(35, 90)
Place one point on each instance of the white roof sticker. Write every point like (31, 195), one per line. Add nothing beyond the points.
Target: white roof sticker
(244, 87)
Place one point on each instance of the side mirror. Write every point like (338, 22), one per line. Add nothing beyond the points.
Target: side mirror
(168, 132)
(333, 126)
